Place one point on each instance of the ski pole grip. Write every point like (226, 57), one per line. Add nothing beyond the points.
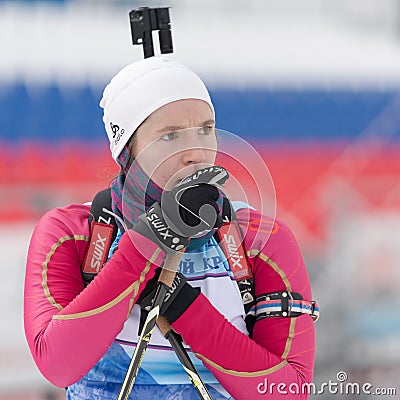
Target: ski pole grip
(170, 267)
(163, 325)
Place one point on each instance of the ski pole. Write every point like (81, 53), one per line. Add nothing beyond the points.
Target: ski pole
(183, 357)
(164, 283)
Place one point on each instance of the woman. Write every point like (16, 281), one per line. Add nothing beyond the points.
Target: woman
(160, 122)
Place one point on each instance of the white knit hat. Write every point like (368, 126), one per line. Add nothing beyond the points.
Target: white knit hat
(141, 88)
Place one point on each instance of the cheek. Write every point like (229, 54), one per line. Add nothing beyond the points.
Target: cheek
(210, 157)
(153, 161)
(163, 171)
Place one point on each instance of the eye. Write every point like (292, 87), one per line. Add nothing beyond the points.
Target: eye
(206, 130)
(169, 136)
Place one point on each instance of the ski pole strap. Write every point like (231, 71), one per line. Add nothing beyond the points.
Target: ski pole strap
(283, 304)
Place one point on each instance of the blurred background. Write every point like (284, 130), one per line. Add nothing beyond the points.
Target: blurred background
(313, 85)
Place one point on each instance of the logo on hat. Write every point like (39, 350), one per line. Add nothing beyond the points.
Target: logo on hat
(117, 132)
(114, 129)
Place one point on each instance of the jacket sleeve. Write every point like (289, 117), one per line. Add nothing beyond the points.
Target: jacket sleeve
(69, 327)
(279, 359)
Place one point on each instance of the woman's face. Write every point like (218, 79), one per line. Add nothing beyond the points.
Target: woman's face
(175, 141)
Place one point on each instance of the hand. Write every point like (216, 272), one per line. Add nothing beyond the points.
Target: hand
(178, 298)
(189, 210)
(192, 208)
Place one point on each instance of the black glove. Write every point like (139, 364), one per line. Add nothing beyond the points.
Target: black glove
(193, 210)
(178, 298)
(189, 210)
(153, 226)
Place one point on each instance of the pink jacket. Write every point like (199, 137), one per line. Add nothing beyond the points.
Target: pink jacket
(69, 327)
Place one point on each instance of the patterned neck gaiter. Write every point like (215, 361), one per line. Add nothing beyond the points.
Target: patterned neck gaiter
(132, 193)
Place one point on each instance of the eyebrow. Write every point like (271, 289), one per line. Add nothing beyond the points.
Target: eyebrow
(173, 128)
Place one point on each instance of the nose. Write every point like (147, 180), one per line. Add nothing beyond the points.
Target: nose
(194, 151)
(193, 155)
